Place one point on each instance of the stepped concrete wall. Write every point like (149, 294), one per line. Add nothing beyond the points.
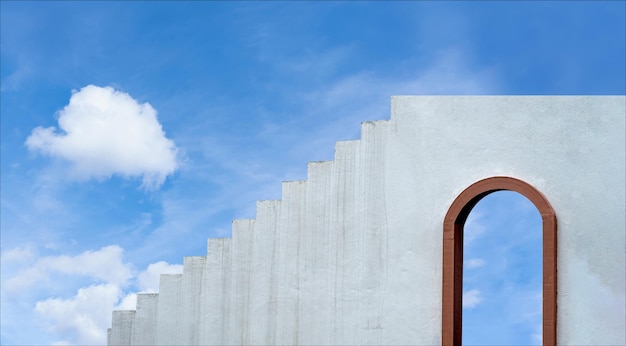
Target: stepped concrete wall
(353, 255)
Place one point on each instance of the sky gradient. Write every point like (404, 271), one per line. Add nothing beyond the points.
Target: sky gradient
(133, 131)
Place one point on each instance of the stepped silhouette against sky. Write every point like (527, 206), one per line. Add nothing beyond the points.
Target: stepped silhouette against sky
(353, 254)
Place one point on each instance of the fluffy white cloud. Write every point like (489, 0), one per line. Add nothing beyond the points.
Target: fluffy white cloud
(83, 318)
(471, 299)
(148, 280)
(106, 132)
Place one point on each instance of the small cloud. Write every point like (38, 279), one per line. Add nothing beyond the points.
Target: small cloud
(104, 132)
(474, 227)
(474, 263)
(471, 299)
(61, 343)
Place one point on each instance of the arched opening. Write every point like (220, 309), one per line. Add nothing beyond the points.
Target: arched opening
(452, 289)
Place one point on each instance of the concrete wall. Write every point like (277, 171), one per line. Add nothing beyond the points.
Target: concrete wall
(353, 254)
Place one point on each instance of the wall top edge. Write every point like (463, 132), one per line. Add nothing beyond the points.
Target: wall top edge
(503, 96)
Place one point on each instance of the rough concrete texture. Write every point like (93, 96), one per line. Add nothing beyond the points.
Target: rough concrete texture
(353, 254)
(145, 319)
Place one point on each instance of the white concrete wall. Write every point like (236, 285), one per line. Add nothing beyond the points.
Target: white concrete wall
(353, 254)
(570, 148)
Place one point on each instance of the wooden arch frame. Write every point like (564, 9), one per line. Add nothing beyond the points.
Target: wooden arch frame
(452, 293)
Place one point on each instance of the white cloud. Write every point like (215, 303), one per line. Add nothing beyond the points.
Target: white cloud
(471, 299)
(17, 255)
(451, 74)
(148, 280)
(474, 263)
(103, 265)
(106, 132)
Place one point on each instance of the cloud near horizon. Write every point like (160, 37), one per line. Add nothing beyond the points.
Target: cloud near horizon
(105, 132)
(82, 317)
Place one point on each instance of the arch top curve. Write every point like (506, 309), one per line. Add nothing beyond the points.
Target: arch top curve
(466, 200)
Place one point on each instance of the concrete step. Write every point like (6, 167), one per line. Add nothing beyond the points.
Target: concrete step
(262, 303)
(288, 238)
(193, 285)
(345, 261)
(122, 327)
(217, 292)
(169, 308)
(242, 247)
(144, 331)
(314, 254)
(372, 227)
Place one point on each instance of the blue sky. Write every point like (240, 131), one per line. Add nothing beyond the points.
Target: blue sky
(241, 95)
(502, 272)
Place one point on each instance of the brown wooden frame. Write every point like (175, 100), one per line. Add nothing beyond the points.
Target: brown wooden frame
(452, 294)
